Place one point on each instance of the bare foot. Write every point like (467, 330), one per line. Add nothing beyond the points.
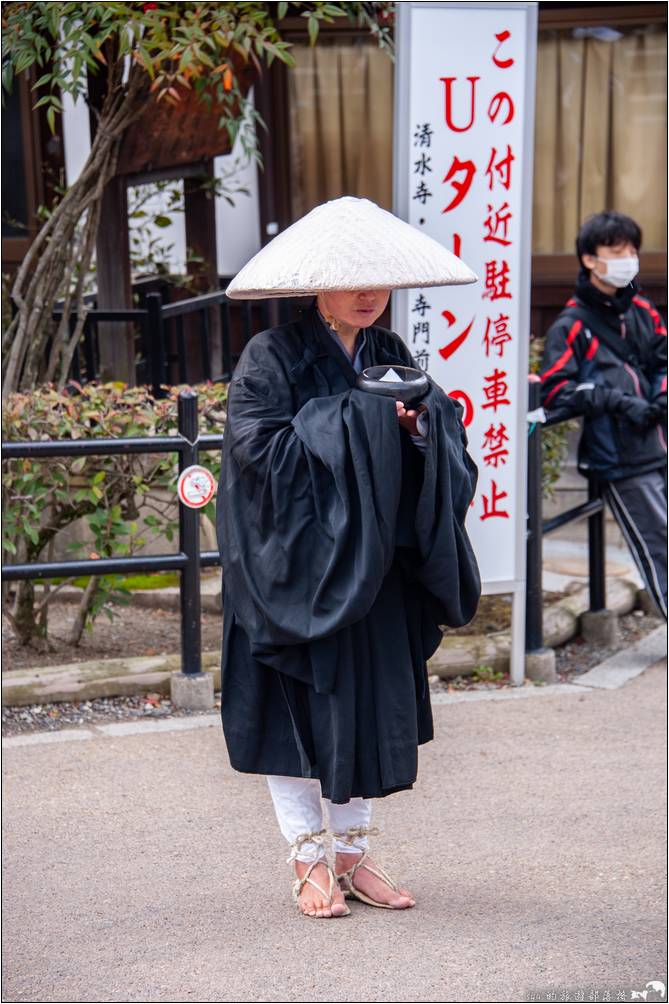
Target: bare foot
(372, 886)
(311, 901)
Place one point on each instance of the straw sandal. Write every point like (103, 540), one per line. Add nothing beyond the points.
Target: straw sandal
(345, 879)
(299, 883)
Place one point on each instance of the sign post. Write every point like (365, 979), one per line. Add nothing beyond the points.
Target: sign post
(463, 158)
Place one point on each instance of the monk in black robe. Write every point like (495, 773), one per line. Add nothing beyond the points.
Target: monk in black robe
(341, 529)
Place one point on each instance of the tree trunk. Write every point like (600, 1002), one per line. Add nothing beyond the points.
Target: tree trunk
(25, 625)
(56, 263)
(75, 634)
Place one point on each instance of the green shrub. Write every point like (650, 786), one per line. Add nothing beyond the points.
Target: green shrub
(42, 497)
(554, 438)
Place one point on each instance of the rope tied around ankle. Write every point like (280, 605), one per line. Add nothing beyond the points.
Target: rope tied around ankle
(313, 837)
(354, 833)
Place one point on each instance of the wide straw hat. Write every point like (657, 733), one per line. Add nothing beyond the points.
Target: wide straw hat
(347, 244)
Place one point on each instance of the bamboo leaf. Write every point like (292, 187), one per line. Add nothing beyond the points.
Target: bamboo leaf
(45, 79)
(7, 77)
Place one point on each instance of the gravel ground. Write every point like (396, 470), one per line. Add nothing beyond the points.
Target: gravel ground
(574, 658)
(578, 656)
(69, 714)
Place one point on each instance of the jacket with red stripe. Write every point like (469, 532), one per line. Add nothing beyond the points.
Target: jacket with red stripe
(599, 354)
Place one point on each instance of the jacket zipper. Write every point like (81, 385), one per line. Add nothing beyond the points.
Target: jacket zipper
(635, 378)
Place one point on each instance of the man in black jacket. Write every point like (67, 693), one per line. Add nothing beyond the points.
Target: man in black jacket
(605, 359)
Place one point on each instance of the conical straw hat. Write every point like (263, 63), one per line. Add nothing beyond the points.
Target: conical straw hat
(347, 244)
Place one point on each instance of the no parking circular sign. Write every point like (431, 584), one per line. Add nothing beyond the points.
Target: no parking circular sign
(196, 486)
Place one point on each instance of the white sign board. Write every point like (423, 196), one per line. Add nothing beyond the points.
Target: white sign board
(463, 174)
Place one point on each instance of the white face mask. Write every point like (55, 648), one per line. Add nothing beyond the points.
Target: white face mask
(619, 271)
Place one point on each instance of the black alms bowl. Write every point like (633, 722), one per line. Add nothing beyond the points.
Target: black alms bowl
(412, 387)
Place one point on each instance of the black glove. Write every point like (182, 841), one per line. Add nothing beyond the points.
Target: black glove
(658, 411)
(636, 410)
(592, 399)
(660, 403)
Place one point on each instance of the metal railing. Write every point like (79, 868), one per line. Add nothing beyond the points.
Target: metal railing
(187, 561)
(178, 342)
(537, 528)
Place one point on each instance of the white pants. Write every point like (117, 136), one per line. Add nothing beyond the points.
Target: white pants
(299, 811)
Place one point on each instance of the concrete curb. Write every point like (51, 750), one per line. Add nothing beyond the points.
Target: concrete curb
(84, 681)
(624, 666)
(113, 730)
(456, 656)
(609, 675)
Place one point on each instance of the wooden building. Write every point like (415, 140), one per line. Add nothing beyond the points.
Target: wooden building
(600, 142)
(600, 134)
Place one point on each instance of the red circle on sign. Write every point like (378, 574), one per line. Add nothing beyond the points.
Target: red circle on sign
(196, 486)
(465, 400)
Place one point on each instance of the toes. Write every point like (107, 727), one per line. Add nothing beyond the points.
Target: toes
(405, 893)
(339, 907)
(402, 902)
(319, 907)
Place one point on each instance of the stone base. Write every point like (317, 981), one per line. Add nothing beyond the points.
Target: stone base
(600, 626)
(645, 602)
(192, 691)
(540, 665)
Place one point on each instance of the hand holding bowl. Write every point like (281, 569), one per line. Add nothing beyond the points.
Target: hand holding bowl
(411, 386)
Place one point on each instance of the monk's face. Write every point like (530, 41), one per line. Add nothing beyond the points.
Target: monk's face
(357, 309)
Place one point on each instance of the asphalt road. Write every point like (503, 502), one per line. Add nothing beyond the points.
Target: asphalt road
(141, 868)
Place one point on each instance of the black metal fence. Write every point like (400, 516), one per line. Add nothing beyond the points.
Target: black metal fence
(188, 560)
(183, 341)
(538, 528)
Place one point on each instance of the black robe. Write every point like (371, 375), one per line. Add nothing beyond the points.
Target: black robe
(343, 550)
